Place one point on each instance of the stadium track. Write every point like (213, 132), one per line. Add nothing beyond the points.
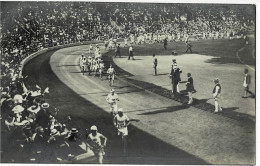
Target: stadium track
(150, 150)
(189, 125)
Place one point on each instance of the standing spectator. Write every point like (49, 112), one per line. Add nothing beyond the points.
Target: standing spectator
(247, 81)
(188, 45)
(131, 49)
(125, 42)
(216, 94)
(117, 51)
(155, 62)
(165, 44)
(190, 87)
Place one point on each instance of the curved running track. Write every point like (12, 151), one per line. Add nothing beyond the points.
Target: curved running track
(166, 133)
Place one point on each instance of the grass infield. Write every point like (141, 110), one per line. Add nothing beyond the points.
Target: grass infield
(223, 50)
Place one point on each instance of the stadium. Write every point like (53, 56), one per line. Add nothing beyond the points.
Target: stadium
(62, 61)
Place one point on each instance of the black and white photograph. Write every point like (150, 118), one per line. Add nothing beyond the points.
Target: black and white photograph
(138, 83)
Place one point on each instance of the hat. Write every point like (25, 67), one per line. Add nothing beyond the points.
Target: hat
(34, 109)
(174, 60)
(18, 109)
(216, 80)
(93, 127)
(35, 93)
(120, 110)
(112, 90)
(45, 105)
(74, 130)
(18, 99)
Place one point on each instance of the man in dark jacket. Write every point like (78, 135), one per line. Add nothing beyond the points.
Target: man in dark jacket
(188, 45)
(117, 51)
(175, 76)
(165, 44)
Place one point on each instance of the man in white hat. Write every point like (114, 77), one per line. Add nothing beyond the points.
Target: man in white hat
(121, 121)
(112, 99)
(94, 142)
(216, 94)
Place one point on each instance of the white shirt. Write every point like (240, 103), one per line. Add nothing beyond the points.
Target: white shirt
(130, 48)
(95, 140)
(121, 122)
(111, 99)
(111, 71)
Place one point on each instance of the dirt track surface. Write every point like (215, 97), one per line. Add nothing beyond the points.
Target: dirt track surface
(213, 138)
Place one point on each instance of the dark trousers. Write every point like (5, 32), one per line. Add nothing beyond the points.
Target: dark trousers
(174, 87)
(131, 55)
(89, 71)
(117, 54)
(155, 70)
(189, 49)
(165, 46)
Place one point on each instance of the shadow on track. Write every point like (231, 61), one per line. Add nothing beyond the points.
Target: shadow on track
(143, 148)
(169, 109)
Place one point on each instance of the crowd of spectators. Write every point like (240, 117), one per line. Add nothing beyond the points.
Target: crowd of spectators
(28, 27)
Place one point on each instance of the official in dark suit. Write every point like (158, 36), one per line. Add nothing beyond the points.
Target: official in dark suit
(165, 44)
(175, 76)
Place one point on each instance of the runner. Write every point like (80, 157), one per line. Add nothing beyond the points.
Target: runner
(121, 121)
(111, 75)
(112, 99)
(94, 142)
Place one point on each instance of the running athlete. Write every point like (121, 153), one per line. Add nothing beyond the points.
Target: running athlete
(112, 99)
(111, 75)
(121, 121)
(95, 144)
(95, 67)
(89, 64)
(80, 62)
(84, 64)
(101, 68)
